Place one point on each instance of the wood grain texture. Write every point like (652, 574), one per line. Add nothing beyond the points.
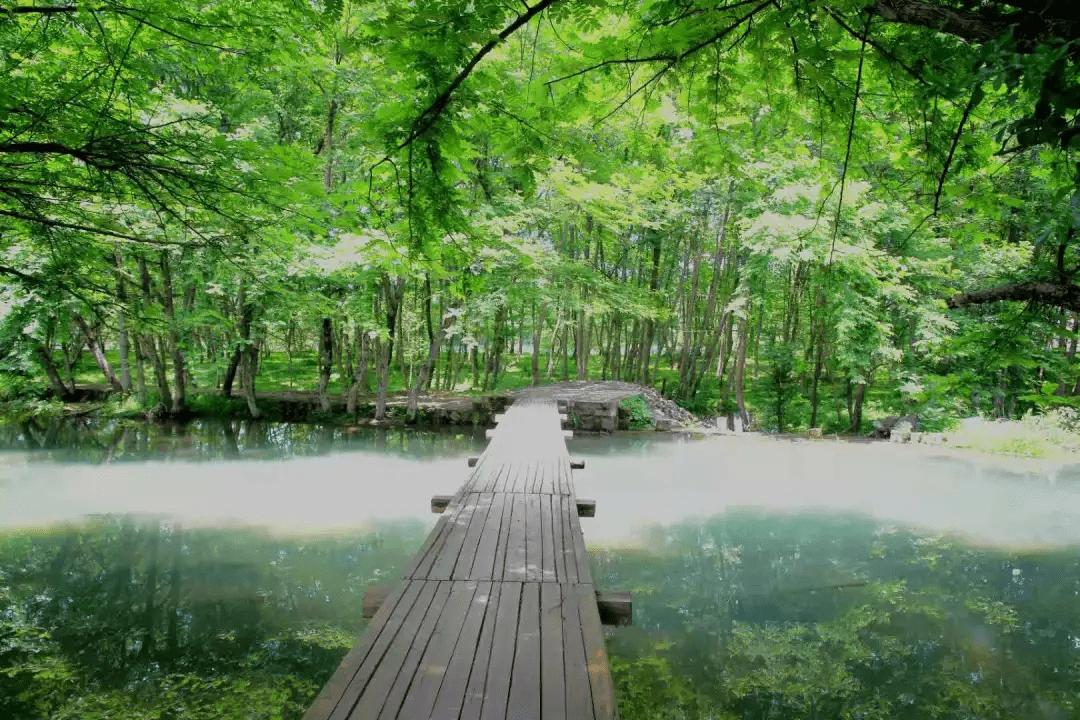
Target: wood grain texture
(496, 615)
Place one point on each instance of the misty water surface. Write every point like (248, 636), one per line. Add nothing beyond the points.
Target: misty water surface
(771, 578)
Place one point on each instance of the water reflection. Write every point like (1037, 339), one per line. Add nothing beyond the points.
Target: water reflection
(770, 580)
(123, 616)
(765, 616)
(97, 440)
(741, 615)
(322, 477)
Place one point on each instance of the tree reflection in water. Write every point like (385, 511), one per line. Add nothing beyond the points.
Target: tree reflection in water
(746, 616)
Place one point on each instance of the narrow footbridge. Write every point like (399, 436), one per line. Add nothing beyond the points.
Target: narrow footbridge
(497, 616)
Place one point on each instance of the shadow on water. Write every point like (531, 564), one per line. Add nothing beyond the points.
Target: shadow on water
(766, 585)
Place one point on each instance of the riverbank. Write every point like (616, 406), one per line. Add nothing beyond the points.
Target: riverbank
(1036, 444)
(598, 406)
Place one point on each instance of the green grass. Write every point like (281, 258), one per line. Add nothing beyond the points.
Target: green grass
(1053, 435)
(640, 415)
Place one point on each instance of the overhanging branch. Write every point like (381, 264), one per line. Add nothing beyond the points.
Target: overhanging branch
(1065, 296)
(1055, 21)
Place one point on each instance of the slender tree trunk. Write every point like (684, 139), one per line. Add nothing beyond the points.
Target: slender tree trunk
(740, 370)
(360, 378)
(393, 292)
(179, 399)
(382, 375)
(818, 362)
(98, 352)
(251, 370)
(121, 326)
(412, 404)
(856, 412)
(45, 357)
(326, 361)
(247, 313)
(140, 372)
(538, 330)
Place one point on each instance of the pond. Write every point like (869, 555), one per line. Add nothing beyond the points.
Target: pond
(216, 570)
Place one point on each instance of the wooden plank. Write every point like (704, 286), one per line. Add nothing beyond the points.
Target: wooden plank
(378, 634)
(516, 480)
(394, 693)
(516, 557)
(525, 680)
(374, 598)
(534, 540)
(380, 668)
(552, 670)
(484, 556)
(467, 556)
(450, 700)
(497, 688)
(499, 570)
(441, 562)
(568, 553)
(581, 554)
(474, 694)
(473, 510)
(420, 700)
(547, 540)
(579, 702)
(557, 538)
(603, 692)
(434, 539)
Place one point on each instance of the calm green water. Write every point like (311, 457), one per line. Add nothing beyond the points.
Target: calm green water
(216, 571)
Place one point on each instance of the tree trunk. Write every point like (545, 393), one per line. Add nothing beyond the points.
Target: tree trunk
(412, 405)
(98, 352)
(45, 357)
(856, 411)
(360, 378)
(179, 400)
(382, 375)
(251, 369)
(140, 372)
(247, 313)
(818, 362)
(740, 370)
(393, 291)
(122, 343)
(538, 330)
(326, 361)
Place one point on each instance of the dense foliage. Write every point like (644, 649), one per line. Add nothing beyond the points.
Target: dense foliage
(761, 208)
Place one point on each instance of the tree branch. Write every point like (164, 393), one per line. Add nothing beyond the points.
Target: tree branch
(425, 120)
(972, 101)
(1030, 27)
(1066, 296)
(42, 10)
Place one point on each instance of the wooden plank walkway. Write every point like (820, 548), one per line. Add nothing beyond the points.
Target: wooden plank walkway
(496, 616)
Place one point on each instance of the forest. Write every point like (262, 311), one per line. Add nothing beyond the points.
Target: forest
(804, 214)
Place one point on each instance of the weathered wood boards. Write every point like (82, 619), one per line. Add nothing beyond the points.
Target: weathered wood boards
(496, 616)
(477, 649)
